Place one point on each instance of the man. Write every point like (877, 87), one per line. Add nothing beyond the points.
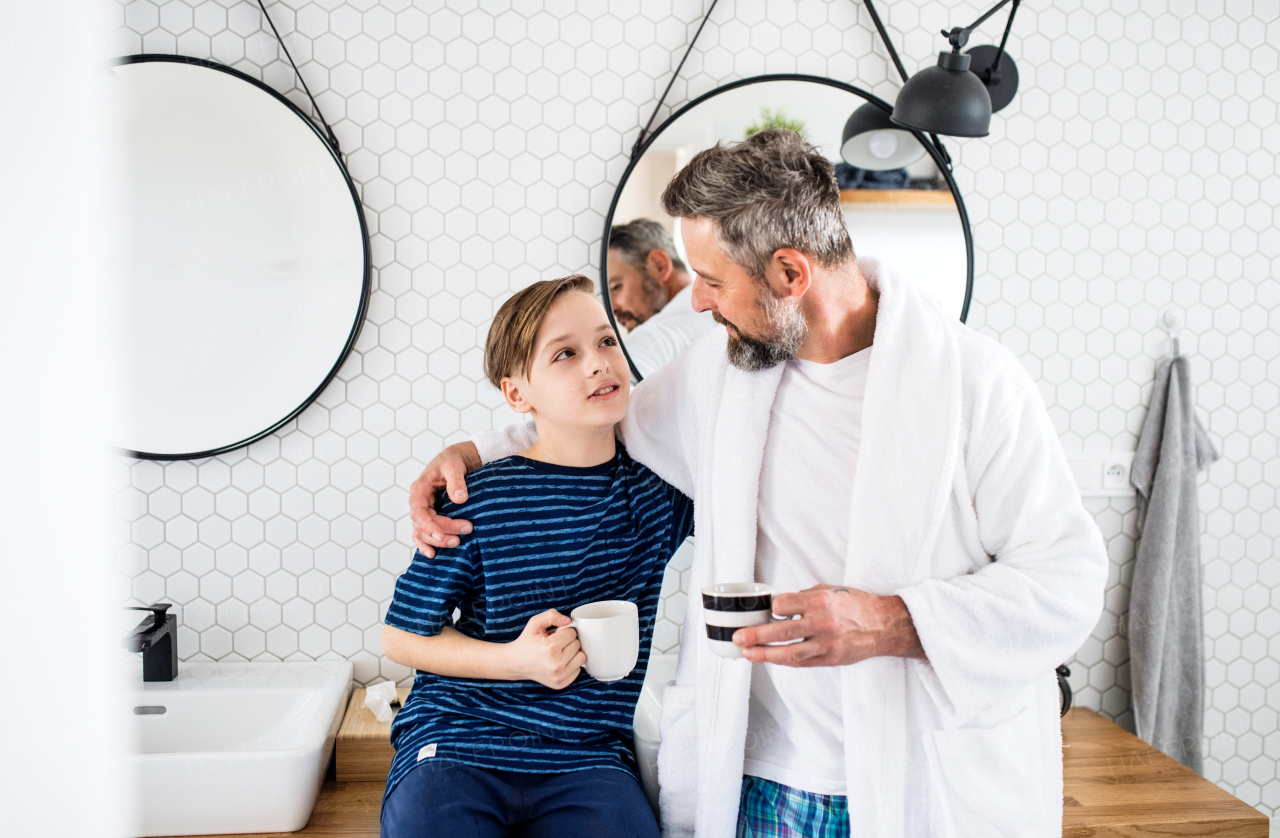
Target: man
(846, 439)
(651, 294)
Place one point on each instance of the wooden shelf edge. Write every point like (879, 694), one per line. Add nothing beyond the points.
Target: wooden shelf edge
(901, 197)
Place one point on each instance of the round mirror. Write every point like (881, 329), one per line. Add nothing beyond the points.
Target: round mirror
(245, 274)
(910, 218)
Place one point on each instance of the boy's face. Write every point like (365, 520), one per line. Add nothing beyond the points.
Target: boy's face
(578, 376)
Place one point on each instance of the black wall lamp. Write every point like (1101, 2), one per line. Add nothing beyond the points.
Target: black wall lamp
(955, 98)
(871, 141)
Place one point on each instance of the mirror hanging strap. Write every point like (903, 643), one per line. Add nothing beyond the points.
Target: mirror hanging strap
(644, 132)
(332, 137)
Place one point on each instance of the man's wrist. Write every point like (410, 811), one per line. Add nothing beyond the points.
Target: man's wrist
(470, 455)
(898, 633)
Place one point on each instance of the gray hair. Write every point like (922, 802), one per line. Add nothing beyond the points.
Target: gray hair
(771, 191)
(635, 239)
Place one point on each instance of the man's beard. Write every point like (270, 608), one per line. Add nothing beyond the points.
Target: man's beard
(787, 330)
(655, 298)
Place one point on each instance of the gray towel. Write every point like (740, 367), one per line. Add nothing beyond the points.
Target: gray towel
(1166, 634)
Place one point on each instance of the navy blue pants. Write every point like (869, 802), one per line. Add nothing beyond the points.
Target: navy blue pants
(454, 800)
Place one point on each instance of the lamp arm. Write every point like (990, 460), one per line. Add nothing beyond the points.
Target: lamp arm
(997, 7)
(994, 71)
(884, 36)
(958, 37)
(902, 71)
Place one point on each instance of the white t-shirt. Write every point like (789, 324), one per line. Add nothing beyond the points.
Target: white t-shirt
(795, 729)
(667, 334)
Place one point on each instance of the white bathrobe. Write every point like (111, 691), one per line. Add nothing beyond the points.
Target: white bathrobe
(963, 505)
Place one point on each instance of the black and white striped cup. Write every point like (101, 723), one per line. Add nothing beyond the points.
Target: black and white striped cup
(729, 606)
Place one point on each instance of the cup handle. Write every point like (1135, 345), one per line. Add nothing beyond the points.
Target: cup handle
(573, 624)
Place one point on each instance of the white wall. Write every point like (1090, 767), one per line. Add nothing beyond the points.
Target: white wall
(1135, 169)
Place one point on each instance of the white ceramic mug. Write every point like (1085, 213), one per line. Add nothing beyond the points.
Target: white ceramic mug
(729, 606)
(610, 635)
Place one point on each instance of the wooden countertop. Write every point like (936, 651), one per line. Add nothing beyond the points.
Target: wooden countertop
(1116, 786)
(363, 752)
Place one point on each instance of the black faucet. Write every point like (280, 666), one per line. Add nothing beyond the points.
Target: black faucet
(156, 638)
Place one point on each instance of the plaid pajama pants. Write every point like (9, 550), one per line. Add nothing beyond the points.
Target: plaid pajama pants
(772, 810)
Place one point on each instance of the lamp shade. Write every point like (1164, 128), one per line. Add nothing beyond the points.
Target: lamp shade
(871, 141)
(946, 99)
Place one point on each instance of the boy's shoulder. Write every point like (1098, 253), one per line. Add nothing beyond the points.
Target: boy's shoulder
(498, 479)
(637, 471)
(498, 483)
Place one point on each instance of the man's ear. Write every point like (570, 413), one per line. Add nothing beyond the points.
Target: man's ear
(659, 264)
(790, 272)
(513, 390)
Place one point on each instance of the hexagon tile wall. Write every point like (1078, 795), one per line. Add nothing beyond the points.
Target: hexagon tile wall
(1136, 169)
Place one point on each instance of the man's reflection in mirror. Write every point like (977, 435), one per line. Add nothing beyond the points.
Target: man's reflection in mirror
(651, 292)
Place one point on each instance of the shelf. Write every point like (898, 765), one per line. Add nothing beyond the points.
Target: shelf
(898, 197)
(364, 749)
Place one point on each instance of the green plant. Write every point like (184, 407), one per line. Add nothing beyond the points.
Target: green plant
(770, 118)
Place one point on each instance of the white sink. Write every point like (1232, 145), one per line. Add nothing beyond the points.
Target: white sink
(233, 747)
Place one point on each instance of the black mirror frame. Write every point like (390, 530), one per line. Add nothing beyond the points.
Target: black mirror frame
(937, 156)
(367, 281)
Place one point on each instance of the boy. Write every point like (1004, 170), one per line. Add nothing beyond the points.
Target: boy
(503, 732)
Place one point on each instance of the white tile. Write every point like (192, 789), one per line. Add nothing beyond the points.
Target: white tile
(215, 642)
(1129, 175)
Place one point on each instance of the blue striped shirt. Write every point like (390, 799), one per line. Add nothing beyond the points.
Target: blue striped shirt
(544, 536)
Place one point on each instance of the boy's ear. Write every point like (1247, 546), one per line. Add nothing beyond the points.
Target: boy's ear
(513, 391)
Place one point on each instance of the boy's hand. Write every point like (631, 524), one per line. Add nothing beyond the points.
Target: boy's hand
(553, 659)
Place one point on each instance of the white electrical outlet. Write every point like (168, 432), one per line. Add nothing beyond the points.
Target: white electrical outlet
(1115, 471)
(1103, 475)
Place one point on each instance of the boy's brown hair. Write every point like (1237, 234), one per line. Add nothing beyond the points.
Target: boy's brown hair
(509, 348)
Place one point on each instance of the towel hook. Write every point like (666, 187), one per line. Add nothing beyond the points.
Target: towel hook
(1173, 320)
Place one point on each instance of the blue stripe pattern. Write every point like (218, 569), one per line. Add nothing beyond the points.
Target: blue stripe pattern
(544, 536)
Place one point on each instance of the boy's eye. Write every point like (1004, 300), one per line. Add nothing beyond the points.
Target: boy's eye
(562, 354)
(609, 341)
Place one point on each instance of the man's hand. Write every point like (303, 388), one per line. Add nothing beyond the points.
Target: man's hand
(447, 471)
(553, 659)
(838, 626)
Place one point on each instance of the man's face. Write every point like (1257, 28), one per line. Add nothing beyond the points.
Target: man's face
(764, 328)
(635, 293)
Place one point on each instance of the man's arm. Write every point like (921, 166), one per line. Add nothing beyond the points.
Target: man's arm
(448, 470)
(985, 633)
(552, 658)
(992, 632)
(659, 431)
(661, 428)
